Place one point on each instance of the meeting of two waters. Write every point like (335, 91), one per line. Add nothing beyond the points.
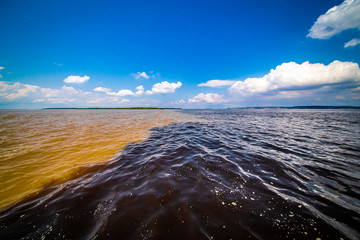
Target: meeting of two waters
(199, 174)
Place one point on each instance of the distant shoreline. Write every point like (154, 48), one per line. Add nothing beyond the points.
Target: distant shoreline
(156, 108)
(127, 108)
(301, 107)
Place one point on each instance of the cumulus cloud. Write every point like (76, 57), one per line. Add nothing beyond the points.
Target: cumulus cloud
(140, 90)
(337, 19)
(164, 87)
(217, 83)
(352, 43)
(140, 75)
(76, 79)
(208, 97)
(102, 89)
(121, 93)
(292, 76)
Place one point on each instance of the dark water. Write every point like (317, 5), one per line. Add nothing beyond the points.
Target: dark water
(241, 174)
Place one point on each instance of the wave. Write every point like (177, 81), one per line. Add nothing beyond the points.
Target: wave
(273, 174)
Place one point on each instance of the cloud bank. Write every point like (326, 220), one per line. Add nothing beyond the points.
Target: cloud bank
(30, 93)
(18, 94)
(208, 97)
(76, 79)
(337, 19)
(217, 83)
(122, 92)
(163, 87)
(291, 76)
(102, 89)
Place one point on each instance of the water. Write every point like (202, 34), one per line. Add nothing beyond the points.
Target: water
(236, 174)
(43, 147)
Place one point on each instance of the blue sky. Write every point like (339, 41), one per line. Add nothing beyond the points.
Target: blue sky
(167, 53)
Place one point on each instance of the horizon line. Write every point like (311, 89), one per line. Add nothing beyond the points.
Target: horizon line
(169, 108)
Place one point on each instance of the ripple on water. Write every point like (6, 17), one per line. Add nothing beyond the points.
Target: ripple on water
(240, 174)
(40, 147)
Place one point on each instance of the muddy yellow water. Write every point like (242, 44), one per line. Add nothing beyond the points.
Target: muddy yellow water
(45, 146)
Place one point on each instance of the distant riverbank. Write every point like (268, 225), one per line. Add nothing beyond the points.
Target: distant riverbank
(127, 108)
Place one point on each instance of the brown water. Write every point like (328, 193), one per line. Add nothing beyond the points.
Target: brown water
(43, 147)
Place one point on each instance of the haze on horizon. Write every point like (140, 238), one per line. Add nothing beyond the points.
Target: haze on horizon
(179, 54)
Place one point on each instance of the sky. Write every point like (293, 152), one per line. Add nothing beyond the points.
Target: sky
(179, 54)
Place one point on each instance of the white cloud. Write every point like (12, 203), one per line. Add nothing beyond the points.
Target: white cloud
(352, 43)
(291, 94)
(20, 95)
(140, 75)
(1, 68)
(17, 90)
(102, 89)
(217, 83)
(76, 79)
(208, 97)
(164, 87)
(290, 76)
(140, 90)
(335, 20)
(121, 93)
(70, 90)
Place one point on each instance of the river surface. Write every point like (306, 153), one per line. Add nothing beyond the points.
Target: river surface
(214, 174)
(46, 147)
